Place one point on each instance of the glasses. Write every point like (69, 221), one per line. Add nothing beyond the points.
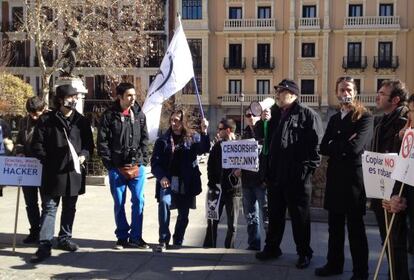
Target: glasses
(345, 79)
(249, 115)
(220, 128)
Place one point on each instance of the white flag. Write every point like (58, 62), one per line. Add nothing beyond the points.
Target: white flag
(175, 71)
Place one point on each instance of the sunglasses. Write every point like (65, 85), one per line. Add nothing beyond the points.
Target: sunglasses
(346, 79)
(249, 115)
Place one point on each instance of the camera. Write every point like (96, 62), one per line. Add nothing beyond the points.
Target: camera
(130, 156)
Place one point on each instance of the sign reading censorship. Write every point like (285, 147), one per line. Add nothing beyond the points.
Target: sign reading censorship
(377, 169)
(243, 154)
(404, 169)
(20, 171)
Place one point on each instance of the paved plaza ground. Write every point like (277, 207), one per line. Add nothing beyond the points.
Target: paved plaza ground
(94, 232)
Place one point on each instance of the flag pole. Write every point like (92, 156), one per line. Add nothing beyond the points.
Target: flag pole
(198, 97)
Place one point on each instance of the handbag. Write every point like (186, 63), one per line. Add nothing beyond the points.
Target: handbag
(129, 171)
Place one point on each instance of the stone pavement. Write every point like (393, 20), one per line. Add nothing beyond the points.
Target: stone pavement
(94, 232)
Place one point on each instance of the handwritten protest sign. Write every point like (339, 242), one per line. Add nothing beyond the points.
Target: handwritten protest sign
(20, 171)
(404, 169)
(243, 154)
(213, 203)
(377, 169)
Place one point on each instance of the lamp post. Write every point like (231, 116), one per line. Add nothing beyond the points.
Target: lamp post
(241, 99)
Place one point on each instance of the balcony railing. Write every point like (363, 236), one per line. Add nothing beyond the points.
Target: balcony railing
(250, 24)
(368, 100)
(372, 22)
(233, 99)
(234, 64)
(309, 23)
(386, 62)
(354, 62)
(262, 64)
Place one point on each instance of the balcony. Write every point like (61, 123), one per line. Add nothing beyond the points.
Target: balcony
(390, 62)
(262, 64)
(234, 64)
(368, 100)
(380, 22)
(229, 99)
(309, 23)
(260, 24)
(354, 62)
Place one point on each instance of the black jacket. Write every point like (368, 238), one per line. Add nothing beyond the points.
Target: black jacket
(50, 146)
(250, 178)
(345, 191)
(25, 136)
(294, 145)
(123, 140)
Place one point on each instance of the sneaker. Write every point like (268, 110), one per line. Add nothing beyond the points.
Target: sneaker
(327, 270)
(268, 254)
(140, 244)
(67, 245)
(121, 244)
(161, 247)
(41, 254)
(32, 238)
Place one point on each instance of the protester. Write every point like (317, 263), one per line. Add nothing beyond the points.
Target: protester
(253, 193)
(62, 141)
(174, 164)
(295, 133)
(6, 144)
(228, 181)
(123, 146)
(35, 107)
(348, 134)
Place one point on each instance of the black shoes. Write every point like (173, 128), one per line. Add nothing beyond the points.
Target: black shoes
(41, 254)
(121, 244)
(327, 270)
(359, 277)
(67, 245)
(303, 262)
(32, 238)
(161, 247)
(139, 244)
(268, 254)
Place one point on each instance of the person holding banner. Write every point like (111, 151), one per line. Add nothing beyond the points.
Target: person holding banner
(174, 164)
(295, 133)
(227, 180)
(6, 144)
(347, 135)
(35, 107)
(391, 99)
(62, 141)
(123, 147)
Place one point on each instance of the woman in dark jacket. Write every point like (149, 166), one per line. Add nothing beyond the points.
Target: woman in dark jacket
(174, 164)
(347, 135)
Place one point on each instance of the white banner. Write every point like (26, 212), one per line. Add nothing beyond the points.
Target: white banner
(20, 171)
(377, 169)
(404, 169)
(243, 154)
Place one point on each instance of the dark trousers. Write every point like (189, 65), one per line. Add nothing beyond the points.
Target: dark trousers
(398, 239)
(358, 243)
(296, 199)
(232, 204)
(49, 208)
(32, 208)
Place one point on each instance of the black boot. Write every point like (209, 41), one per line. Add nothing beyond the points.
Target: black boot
(33, 237)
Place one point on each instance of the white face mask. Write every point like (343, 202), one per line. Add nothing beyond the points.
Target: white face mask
(70, 104)
(346, 100)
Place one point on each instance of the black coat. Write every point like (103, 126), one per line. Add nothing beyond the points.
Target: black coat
(250, 178)
(294, 145)
(50, 146)
(345, 191)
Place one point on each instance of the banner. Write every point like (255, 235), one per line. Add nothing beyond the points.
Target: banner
(377, 169)
(404, 169)
(243, 154)
(213, 203)
(20, 171)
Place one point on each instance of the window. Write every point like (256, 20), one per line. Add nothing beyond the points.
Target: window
(308, 49)
(263, 87)
(307, 86)
(19, 57)
(358, 85)
(386, 10)
(379, 82)
(355, 10)
(309, 11)
(235, 86)
(354, 54)
(192, 9)
(157, 53)
(263, 56)
(263, 12)
(235, 13)
(17, 18)
(195, 48)
(190, 88)
(235, 55)
(384, 54)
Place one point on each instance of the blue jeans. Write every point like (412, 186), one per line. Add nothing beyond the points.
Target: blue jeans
(254, 198)
(164, 215)
(49, 208)
(118, 190)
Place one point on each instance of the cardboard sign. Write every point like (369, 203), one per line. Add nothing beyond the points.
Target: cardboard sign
(404, 169)
(243, 154)
(20, 171)
(213, 203)
(377, 169)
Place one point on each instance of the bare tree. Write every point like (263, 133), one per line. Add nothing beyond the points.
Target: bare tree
(113, 34)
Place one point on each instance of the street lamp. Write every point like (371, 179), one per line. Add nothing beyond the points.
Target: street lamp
(241, 99)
